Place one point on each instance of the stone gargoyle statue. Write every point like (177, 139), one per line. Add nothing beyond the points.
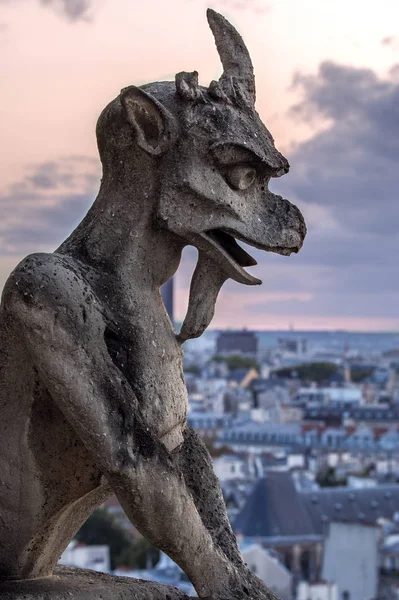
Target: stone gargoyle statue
(92, 395)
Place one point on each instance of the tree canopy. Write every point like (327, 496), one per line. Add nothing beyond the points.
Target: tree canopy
(327, 477)
(237, 361)
(315, 371)
(101, 528)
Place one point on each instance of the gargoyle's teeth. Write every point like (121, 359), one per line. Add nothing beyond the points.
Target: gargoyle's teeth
(230, 245)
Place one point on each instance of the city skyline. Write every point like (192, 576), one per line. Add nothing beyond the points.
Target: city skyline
(327, 87)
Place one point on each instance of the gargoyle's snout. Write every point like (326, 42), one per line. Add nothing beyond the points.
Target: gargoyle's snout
(278, 226)
(293, 227)
(301, 228)
(271, 224)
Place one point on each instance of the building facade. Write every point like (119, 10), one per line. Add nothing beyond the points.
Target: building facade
(237, 342)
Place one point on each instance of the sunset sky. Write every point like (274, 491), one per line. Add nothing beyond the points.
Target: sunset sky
(327, 88)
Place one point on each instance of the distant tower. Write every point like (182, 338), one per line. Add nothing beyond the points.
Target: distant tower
(167, 297)
(347, 373)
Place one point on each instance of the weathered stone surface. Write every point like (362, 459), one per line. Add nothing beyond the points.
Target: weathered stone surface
(79, 584)
(92, 393)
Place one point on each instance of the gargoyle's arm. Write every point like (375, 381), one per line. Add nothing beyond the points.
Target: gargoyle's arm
(62, 328)
(47, 306)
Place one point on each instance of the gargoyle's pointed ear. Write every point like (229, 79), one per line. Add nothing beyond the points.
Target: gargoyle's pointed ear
(155, 127)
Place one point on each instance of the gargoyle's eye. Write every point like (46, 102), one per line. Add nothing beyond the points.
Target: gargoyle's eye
(240, 177)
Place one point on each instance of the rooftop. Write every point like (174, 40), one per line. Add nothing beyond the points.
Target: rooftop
(275, 509)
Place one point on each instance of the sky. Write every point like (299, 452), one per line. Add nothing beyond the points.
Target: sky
(327, 76)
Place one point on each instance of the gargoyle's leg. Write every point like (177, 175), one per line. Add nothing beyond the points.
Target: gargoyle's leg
(174, 512)
(157, 500)
(204, 486)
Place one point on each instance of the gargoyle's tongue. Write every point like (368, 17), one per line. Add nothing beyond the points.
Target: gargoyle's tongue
(227, 256)
(204, 289)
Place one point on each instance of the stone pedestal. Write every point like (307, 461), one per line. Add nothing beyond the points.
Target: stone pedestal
(69, 583)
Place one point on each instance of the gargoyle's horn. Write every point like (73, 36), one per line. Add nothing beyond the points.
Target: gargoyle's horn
(234, 55)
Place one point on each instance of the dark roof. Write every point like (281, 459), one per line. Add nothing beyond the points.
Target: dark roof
(362, 413)
(350, 505)
(273, 510)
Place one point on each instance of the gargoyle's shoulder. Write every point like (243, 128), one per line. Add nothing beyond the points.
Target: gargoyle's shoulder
(44, 277)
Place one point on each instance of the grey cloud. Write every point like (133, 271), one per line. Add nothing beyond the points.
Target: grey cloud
(341, 92)
(50, 225)
(351, 170)
(39, 211)
(387, 41)
(345, 179)
(72, 10)
(352, 166)
(390, 40)
(69, 172)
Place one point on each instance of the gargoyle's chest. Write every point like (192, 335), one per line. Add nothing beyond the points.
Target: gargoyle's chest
(146, 352)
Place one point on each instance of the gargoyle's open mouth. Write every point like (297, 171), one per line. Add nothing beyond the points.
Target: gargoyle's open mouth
(225, 243)
(229, 245)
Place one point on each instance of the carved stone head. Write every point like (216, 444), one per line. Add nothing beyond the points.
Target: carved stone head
(213, 159)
